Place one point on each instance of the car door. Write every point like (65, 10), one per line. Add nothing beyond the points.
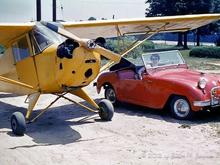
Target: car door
(132, 90)
(24, 61)
(155, 91)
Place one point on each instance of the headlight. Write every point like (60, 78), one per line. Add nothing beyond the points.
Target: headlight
(202, 83)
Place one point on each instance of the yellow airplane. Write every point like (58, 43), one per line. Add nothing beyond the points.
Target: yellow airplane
(60, 58)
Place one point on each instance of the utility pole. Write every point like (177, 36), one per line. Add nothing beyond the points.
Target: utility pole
(38, 10)
(54, 11)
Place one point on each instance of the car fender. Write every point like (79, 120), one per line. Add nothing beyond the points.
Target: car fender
(185, 89)
(106, 79)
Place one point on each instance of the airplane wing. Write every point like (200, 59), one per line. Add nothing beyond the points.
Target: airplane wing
(114, 28)
(12, 86)
(9, 31)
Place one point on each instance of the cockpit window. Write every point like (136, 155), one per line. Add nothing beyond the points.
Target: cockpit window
(21, 49)
(2, 50)
(42, 37)
(42, 40)
(35, 47)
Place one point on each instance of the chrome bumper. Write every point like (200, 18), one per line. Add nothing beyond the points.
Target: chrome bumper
(213, 102)
(201, 103)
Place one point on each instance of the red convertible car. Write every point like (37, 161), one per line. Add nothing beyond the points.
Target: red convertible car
(163, 81)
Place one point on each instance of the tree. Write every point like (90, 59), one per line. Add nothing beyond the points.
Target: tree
(215, 6)
(216, 9)
(92, 19)
(180, 7)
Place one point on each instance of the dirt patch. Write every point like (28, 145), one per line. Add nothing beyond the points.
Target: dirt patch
(136, 135)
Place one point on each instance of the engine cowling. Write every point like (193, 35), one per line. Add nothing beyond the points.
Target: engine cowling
(79, 69)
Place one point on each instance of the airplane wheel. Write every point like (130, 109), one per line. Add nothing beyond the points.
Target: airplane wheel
(18, 124)
(106, 110)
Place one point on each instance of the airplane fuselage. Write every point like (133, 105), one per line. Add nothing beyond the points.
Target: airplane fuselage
(34, 59)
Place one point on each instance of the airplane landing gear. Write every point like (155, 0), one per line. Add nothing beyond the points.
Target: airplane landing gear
(106, 110)
(18, 123)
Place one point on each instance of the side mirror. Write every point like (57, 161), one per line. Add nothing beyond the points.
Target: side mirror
(144, 75)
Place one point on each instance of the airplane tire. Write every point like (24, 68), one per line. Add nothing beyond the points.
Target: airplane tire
(106, 110)
(18, 124)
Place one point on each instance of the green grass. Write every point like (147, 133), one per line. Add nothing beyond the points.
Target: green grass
(197, 63)
(185, 53)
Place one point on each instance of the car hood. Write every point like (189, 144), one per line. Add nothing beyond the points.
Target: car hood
(184, 75)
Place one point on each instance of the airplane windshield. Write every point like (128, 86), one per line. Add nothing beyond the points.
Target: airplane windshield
(44, 37)
(2, 49)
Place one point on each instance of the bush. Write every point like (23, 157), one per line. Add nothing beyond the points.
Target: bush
(217, 42)
(209, 52)
(147, 45)
(120, 46)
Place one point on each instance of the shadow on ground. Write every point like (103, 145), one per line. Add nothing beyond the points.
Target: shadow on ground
(55, 126)
(199, 118)
(52, 128)
(5, 95)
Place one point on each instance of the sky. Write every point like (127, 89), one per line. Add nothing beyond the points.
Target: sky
(72, 10)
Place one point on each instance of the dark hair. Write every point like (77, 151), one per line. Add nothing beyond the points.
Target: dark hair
(154, 56)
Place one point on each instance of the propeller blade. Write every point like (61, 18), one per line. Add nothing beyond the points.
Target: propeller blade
(107, 54)
(89, 44)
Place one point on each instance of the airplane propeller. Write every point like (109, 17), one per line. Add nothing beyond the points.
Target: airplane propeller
(87, 43)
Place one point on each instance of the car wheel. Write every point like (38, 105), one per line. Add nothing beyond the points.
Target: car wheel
(111, 95)
(180, 108)
(106, 110)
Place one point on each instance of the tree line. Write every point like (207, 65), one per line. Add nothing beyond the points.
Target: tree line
(184, 7)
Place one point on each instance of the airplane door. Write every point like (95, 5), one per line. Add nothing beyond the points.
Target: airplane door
(24, 61)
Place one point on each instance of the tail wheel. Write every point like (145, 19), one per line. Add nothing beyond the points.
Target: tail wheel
(106, 110)
(111, 95)
(18, 123)
(180, 108)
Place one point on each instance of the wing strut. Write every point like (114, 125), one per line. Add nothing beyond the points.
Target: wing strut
(135, 44)
(79, 92)
(10, 81)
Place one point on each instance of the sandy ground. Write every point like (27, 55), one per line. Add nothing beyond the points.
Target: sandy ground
(136, 135)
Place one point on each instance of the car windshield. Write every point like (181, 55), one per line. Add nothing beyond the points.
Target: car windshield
(161, 59)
